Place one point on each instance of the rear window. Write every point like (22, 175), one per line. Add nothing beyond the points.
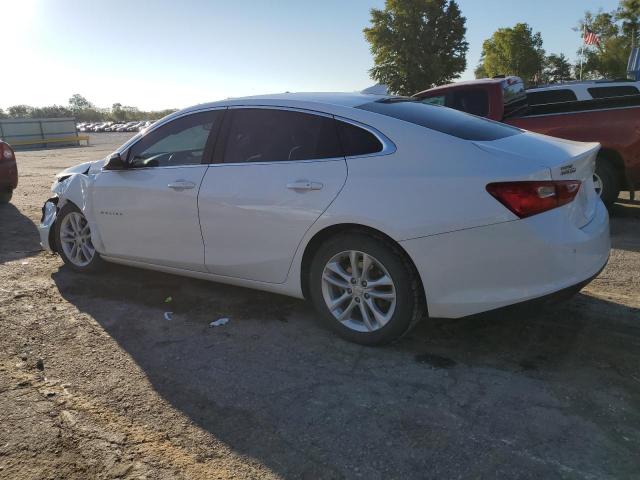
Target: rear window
(607, 92)
(551, 96)
(441, 119)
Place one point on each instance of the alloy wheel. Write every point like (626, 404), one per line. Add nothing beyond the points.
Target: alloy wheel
(358, 291)
(597, 184)
(75, 238)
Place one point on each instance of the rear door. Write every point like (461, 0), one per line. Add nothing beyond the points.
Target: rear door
(278, 171)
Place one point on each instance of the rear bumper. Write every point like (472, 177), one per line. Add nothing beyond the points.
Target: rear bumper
(486, 268)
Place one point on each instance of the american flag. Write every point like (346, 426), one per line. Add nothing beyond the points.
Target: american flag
(590, 38)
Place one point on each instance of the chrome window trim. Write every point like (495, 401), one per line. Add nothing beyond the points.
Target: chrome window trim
(172, 167)
(163, 121)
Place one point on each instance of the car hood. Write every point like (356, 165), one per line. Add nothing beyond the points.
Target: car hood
(82, 168)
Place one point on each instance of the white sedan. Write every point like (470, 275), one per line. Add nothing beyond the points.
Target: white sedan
(380, 210)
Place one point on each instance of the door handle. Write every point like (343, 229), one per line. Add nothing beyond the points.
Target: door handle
(304, 185)
(182, 185)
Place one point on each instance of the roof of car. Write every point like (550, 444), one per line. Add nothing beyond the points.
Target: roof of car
(339, 99)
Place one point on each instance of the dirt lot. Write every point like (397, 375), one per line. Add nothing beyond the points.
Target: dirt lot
(95, 383)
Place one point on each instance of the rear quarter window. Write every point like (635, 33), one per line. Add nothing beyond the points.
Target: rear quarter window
(442, 119)
(356, 141)
(551, 96)
(608, 92)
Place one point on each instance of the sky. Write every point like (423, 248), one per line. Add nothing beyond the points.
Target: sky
(156, 54)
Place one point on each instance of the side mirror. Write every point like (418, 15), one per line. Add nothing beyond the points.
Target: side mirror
(115, 162)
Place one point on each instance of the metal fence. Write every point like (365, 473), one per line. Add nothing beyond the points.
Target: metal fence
(39, 132)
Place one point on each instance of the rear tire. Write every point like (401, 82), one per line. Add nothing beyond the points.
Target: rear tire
(378, 304)
(5, 196)
(608, 179)
(73, 240)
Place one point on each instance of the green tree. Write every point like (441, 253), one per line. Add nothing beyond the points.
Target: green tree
(618, 31)
(513, 51)
(417, 44)
(78, 102)
(3, 114)
(20, 111)
(628, 14)
(53, 111)
(557, 69)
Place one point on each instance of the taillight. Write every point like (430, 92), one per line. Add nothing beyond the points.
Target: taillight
(530, 198)
(6, 152)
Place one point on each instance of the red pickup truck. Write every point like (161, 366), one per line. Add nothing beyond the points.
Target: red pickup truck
(613, 122)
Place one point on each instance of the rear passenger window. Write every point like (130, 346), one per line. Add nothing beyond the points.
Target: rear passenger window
(272, 135)
(551, 96)
(608, 92)
(475, 101)
(439, 100)
(357, 141)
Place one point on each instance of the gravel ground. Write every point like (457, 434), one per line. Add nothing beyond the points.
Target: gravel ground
(95, 383)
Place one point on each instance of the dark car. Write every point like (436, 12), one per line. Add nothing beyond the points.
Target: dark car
(8, 172)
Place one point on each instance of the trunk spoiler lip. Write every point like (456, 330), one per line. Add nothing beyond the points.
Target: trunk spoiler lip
(552, 151)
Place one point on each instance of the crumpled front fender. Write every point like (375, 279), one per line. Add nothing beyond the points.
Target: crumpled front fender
(74, 189)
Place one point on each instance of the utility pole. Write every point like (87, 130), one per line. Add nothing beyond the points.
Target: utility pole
(584, 30)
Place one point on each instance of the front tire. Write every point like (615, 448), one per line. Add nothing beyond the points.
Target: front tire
(73, 239)
(365, 289)
(607, 181)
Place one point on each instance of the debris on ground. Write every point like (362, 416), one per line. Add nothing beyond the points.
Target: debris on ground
(168, 300)
(219, 322)
(168, 316)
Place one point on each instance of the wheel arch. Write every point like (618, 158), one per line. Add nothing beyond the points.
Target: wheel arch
(336, 229)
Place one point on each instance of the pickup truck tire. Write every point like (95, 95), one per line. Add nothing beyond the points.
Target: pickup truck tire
(609, 181)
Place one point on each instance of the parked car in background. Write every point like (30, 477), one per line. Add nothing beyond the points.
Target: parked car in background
(377, 209)
(124, 127)
(113, 128)
(8, 172)
(101, 127)
(614, 122)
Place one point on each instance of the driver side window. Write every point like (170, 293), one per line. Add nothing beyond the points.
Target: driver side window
(179, 142)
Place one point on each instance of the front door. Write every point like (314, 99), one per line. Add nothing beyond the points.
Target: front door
(149, 211)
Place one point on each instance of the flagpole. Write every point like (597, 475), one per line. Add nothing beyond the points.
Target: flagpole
(584, 30)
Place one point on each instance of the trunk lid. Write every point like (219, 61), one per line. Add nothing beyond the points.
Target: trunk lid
(565, 159)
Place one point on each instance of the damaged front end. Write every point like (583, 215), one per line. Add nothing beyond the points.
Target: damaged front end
(50, 208)
(47, 222)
